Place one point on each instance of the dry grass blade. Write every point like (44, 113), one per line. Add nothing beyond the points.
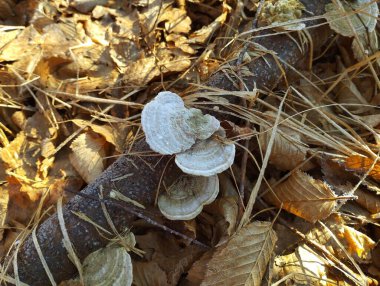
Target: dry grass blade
(66, 240)
(242, 260)
(303, 196)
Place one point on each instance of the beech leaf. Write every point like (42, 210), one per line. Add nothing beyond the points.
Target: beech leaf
(304, 196)
(87, 156)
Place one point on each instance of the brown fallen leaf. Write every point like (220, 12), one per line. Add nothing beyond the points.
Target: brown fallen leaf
(303, 196)
(88, 151)
(164, 257)
(362, 165)
(351, 241)
(241, 261)
(369, 200)
(302, 267)
(288, 150)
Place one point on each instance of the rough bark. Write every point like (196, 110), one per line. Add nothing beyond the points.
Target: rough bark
(266, 73)
(142, 185)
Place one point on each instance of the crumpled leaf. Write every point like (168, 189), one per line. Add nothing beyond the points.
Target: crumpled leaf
(88, 151)
(241, 261)
(304, 267)
(357, 244)
(303, 196)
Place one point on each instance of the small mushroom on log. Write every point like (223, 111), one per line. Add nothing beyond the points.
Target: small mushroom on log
(187, 196)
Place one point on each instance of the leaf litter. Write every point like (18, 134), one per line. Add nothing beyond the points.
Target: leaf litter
(74, 76)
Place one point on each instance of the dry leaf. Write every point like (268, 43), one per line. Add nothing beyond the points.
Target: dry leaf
(362, 165)
(357, 244)
(148, 273)
(202, 35)
(105, 130)
(348, 95)
(166, 256)
(87, 156)
(241, 261)
(4, 199)
(304, 196)
(303, 267)
(288, 150)
(369, 200)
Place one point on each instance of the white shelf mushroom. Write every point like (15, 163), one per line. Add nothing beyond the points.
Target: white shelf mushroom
(207, 158)
(108, 266)
(171, 128)
(187, 196)
(358, 16)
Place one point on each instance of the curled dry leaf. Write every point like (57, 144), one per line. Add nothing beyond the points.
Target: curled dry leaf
(288, 151)
(362, 165)
(353, 17)
(208, 157)
(187, 196)
(108, 267)
(303, 196)
(88, 151)
(172, 128)
(303, 267)
(357, 244)
(241, 261)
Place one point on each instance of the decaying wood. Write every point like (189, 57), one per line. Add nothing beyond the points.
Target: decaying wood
(140, 187)
(143, 184)
(284, 54)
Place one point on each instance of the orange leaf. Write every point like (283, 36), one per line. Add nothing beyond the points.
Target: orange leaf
(363, 164)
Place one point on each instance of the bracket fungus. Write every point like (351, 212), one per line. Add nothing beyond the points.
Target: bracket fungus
(352, 17)
(171, 128)
(208, 157)
(186, 197)
(110, 266)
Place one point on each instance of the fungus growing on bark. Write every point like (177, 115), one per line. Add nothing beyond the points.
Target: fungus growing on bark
(186, 197)
(108, 266)
(208, 157)
(171, 128)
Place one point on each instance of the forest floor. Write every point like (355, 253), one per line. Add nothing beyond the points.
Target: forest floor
(295, 86)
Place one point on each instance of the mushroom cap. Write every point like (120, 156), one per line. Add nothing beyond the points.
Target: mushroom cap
(108, 267)
(206, 158)
(187, 196)
(172, 128)
(363, 19)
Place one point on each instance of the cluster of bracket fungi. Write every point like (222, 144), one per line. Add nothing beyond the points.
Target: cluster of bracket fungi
(200, 148)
